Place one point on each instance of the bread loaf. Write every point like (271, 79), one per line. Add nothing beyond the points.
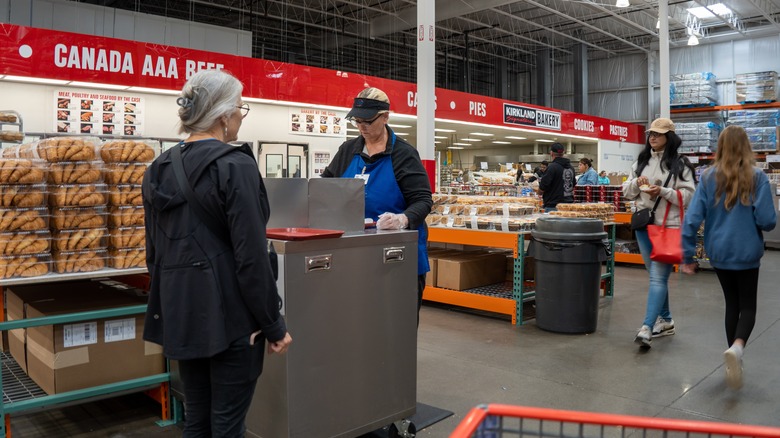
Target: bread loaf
(127, 258)
(8, 118)
(12, 244)
(125, 173)
(79, 261)
(126, 151)
(23, 219)
(19, 171)
(126, 216)
(59, 149)
(69, 218)
(23, 266)
(80, 239)
(23, 196)
(78, 195)
(127, 237)
(11, 136)
(125, 194)
(79, 172)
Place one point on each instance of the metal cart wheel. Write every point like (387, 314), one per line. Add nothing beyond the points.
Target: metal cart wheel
(402, 429)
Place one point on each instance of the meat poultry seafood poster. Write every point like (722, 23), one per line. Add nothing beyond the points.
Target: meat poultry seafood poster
(98, 113)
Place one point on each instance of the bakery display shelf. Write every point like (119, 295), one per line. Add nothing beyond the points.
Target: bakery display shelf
(624, 257)
(20, 393)
(18, 123)
(50, 278)
(497, 298)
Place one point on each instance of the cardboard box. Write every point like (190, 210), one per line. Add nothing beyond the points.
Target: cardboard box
(466, 271)
(16, 299)
(67, 357)
(433, 258)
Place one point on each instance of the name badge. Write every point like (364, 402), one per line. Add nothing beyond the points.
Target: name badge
(363, 176)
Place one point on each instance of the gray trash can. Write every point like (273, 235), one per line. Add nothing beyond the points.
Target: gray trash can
(568, 253)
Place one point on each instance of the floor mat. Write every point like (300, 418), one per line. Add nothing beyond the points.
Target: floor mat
(425, 416)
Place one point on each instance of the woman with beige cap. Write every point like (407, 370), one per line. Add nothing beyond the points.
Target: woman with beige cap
(645, 185)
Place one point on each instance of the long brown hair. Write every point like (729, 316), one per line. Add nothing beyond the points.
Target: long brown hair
(734, 167)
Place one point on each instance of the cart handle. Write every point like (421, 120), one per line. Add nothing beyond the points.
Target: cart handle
(474, 418)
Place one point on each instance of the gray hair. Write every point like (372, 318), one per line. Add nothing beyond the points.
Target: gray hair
(206, 97)
(375, 94)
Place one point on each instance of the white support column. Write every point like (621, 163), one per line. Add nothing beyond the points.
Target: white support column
(663, 48)
(426, 84)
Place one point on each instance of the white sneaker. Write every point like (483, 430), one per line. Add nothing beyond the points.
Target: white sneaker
(733, 359)
(645, 336)
(663, 327)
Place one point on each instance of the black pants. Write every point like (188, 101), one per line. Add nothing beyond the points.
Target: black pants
(740, 289)
(218, 390)
(420, 289)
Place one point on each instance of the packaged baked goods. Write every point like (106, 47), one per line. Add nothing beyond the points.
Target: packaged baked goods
(25, 265)
(127, 237)
(126, 258)
(22, 195)
(129, 151)
(78, 217)
(79, 261)
(6, 135)
(77, 195)
(24, 219)
(25, 242)
(7, 117)
(21, 171)
(125, 194)
(478, 223)
(58, 149)
(126, 216)
(79, 239)
(124, 173)
(75, 172)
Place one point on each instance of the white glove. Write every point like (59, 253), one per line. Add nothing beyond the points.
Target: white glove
(392, 221)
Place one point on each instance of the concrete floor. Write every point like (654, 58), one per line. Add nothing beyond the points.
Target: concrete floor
(465, 359)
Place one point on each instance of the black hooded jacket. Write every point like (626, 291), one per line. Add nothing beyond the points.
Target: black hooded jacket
(557, 183)
(205, 291)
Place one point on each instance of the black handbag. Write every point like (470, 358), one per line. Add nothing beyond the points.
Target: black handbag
(646, 216)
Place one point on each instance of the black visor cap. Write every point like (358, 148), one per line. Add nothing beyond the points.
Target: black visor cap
(366, 109)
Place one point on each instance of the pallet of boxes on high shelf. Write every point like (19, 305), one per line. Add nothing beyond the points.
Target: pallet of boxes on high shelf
(756, 87)
(488, 213)
(761, 126)
(698, 137)
(693, 90)
(125, 164)
(25, 241)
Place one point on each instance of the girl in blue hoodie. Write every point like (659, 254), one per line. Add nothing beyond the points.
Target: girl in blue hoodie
(735, 202)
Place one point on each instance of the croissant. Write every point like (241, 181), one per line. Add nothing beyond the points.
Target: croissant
(78, 239)
(124, 259)
(121, 173)
(127, 194)
(68, 218)
(126, 217)
(73, 172)
(66, 149)
(80, 195)
(23, 243)
(118, 151)
(24, 266)
(79, 261)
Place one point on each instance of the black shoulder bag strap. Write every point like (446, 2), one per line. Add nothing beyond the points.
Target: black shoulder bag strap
(658, 199)
(208, 219)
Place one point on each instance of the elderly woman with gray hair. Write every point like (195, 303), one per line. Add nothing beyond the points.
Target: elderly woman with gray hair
(213, 300)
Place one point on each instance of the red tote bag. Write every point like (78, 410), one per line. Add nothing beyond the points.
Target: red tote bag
(667, 242)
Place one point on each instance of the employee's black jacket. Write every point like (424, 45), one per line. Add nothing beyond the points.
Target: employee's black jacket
(205, 291)
(409, 173)
(557, 183)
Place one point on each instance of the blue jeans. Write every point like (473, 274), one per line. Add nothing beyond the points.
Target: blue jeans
(658, 292)
(218, 390)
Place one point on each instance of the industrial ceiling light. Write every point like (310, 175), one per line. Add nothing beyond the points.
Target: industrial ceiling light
(622, 3)
(693, 40)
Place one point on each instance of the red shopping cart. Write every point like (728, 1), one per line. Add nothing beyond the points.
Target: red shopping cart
(495, 420)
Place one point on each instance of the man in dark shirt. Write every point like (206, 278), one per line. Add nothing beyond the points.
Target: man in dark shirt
(557, 183)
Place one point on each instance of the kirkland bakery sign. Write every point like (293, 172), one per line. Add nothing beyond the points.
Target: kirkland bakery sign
(527, 116)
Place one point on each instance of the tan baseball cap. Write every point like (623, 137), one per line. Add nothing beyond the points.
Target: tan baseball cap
(662, 126)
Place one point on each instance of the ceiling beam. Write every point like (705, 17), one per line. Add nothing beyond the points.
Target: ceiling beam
(733, 21)
(445, 9)
(763, 6)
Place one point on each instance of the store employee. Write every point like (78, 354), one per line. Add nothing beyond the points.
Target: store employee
(398, 194)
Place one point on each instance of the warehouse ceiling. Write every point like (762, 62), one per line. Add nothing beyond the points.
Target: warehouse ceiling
(377, 37)
(476, 40)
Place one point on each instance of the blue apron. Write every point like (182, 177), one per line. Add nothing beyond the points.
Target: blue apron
(384, 195)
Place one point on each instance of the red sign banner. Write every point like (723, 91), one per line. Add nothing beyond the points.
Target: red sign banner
(43, 53)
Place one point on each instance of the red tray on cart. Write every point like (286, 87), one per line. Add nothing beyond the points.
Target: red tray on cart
(301, 233)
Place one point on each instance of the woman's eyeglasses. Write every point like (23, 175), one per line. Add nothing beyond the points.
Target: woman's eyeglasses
(357, 122)
(244, 110)
(654, 134)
